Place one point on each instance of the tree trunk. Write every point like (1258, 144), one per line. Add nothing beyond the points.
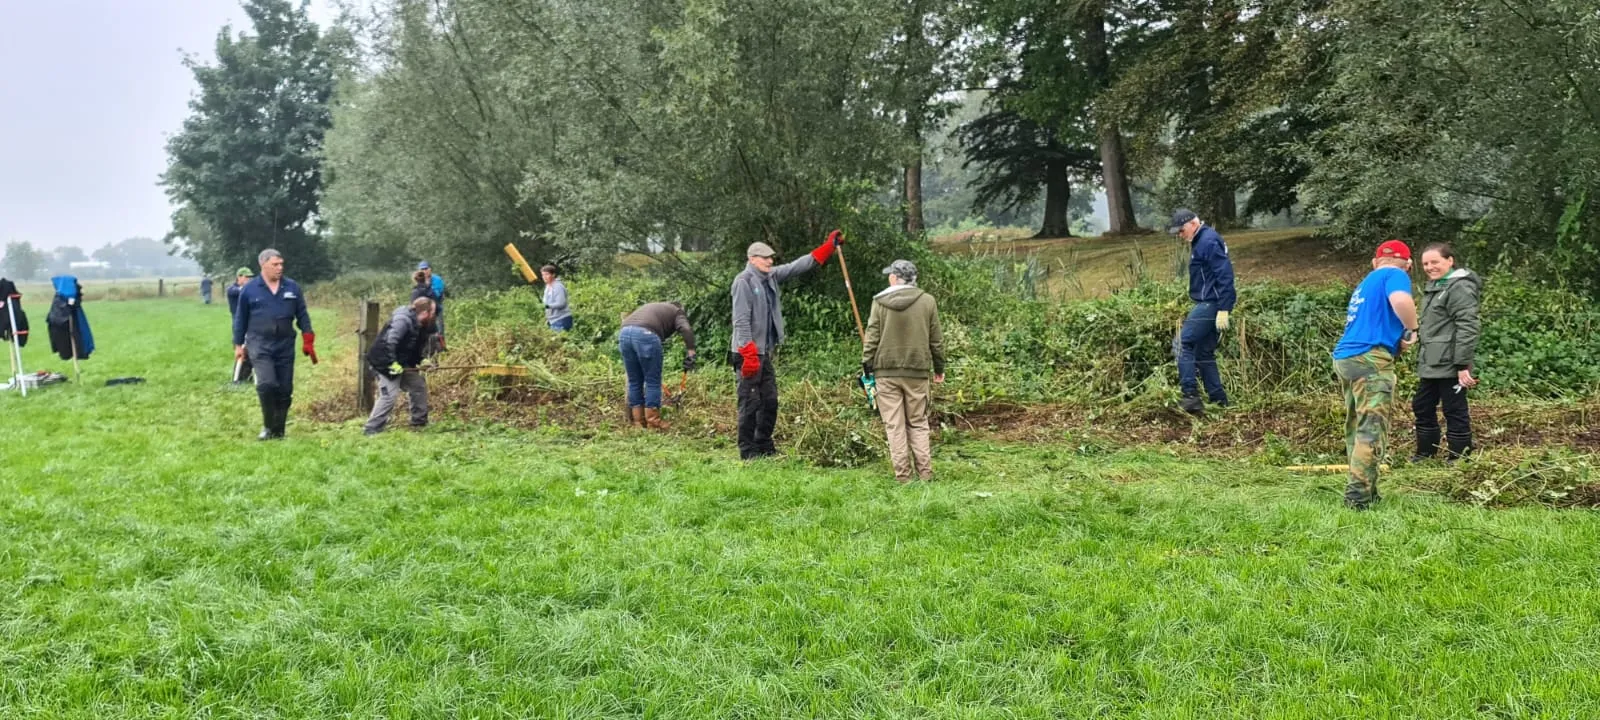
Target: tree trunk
(1113, 162)
(1218, 205)
(1057, 191)
(914, 221)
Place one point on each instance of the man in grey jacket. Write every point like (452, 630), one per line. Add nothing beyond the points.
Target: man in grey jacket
(757, 332)
(396, 358)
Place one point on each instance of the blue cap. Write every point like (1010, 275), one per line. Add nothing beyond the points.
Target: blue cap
(423, 265)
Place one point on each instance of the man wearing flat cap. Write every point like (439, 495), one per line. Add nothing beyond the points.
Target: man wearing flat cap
(757, 332)
(1211, 289)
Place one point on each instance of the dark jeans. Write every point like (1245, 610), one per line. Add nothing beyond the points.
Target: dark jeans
(1458, 420)
(758, 410)
(562, 325)
(1197, 354)
(641, 355)
(273, 362)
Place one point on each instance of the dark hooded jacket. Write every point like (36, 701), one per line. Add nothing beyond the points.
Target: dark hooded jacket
(903, 335)
(1448, 324)
(403, 339)
(11, 305)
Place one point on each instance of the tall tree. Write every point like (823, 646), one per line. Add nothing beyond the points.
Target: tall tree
(1017, 158)
(23, 261)
(247, 161)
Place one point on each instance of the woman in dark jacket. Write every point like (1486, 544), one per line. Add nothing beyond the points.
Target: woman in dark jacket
(1448, 334)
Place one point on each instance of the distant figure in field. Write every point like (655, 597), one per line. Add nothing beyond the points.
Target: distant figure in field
(1448, 331)
(1211, 289)
(557, 313)
(436, 285)
(1379, 324)
(643, 334)
(396, 356)
(205, 289)
(263, 329)
(242, 366)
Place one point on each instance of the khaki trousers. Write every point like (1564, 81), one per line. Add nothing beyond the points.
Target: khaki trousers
(903, 403)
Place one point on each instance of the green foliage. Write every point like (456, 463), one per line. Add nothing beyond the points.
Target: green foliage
(246, 167)
(22, 260)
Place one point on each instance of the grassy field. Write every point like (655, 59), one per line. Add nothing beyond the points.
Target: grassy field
(157, 562)
(1091, 267)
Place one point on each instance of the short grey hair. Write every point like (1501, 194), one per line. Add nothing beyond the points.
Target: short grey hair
(266, 255)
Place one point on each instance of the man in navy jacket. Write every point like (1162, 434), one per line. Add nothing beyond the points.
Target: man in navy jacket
(1211, 289)
(263, 327)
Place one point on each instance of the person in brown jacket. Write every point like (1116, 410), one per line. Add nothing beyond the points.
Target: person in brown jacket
(640, 341)
(904, 350)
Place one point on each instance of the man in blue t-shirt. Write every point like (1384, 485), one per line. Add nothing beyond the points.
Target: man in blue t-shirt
(1380, 323)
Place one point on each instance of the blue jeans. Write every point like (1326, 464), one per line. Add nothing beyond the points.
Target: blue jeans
(1197, 354)
(562, 325)
(641, 354)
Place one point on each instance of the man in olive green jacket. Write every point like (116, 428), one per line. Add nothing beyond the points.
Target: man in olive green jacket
(904, 349)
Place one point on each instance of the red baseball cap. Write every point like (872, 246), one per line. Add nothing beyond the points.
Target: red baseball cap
(1393, 249)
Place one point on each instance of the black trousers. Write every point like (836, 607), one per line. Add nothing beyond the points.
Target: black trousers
(273, 362)
(1431, 393)
(758, 411)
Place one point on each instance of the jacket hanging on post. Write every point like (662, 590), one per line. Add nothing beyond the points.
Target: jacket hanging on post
(11, 306)
(66, 318)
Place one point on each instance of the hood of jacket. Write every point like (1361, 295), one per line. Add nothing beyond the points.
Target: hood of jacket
(898, 297)
(1458, 275)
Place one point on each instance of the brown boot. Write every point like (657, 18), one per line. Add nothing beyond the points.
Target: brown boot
(636, 416)
(652, 419)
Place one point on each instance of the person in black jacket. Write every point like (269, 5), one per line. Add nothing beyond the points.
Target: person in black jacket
(396, 356)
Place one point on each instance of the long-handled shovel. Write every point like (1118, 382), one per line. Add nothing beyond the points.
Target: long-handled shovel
(868, 383)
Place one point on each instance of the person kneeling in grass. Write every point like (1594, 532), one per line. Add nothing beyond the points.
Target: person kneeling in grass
(396, 357)
(904, 349)
(1379, 324)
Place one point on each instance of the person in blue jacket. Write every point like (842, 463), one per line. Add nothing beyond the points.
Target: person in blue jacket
(436, 283)
(242, 369)
(1211, 289)
(263, 328)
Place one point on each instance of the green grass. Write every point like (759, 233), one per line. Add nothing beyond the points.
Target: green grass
(157, 562)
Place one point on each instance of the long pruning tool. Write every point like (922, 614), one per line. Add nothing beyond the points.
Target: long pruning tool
(868, 383)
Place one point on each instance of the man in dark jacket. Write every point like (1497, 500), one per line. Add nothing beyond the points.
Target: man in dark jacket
(241, 367)
(205, 289)
(1211, 289)
(904, 349)
(640, 342)
(263, 329)
(757, 332)
(396, 357)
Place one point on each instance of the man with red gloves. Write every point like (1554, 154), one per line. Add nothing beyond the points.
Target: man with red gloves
(757, 332)
(263, 328)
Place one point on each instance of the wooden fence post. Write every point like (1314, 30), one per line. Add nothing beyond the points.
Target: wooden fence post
(365, 335)
(161, 287)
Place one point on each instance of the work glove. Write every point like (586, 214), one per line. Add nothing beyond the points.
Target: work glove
(752, 360)
(308, 345)
(825, 250)
(688, 363)
(866, 368)
(1222, 320)
(395, 369)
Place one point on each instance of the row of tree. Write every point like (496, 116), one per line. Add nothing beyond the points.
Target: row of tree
(133, 257)
(447, 128)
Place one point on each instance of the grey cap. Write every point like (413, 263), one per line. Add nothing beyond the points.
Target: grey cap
(906, 271)
(1180, 218)
(760, 249)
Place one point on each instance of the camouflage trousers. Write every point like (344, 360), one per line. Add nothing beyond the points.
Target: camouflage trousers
(1368, 380)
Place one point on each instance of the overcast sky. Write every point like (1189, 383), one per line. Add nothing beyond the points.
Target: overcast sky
(89, 92)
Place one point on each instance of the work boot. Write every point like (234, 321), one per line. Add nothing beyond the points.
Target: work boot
(652, 419)
(1193, 405)
(636, 416)
(1459, 449)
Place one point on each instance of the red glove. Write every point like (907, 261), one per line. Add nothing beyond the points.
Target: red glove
(308, 346)
(752, 360)
(825, 250)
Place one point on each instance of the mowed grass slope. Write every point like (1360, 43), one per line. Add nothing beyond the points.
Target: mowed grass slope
(155, 561)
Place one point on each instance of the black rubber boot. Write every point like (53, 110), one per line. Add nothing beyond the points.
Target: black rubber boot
(1193, 405)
